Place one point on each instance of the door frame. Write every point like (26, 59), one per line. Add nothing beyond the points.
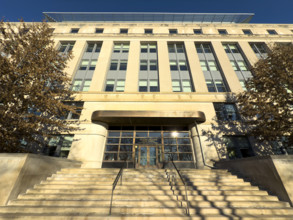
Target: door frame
(137, 157)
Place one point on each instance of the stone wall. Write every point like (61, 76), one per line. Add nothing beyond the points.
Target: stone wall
(19, 172)
(273, 173)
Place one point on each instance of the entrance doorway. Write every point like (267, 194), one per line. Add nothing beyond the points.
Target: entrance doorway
(148, 156)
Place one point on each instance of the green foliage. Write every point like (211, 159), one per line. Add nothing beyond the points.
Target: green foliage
(33, 86)
(267, 105)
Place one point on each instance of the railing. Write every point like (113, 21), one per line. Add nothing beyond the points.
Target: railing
(115, 184)
(184, 183)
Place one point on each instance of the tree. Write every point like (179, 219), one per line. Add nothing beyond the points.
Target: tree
(267, 105)
(33, 87)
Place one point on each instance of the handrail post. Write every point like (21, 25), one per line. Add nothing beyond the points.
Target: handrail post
(114, 185)
(182, 180)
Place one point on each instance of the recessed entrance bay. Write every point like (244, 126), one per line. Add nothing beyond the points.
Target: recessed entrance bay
(148, 147)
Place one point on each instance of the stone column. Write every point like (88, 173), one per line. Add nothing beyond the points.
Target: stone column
(196, 146)
(88, 147)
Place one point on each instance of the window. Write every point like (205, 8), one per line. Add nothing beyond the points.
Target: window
(234, 65)
(66, 47)
(197, 31)
(148, 86)
(260, 49)
(203, 48)
(93, 65)
(144, 48)
(242, 83)
(186, 86)
(242, 65)
(143, 65)
(226, 112)
(211, 86)
(173, 31)
(247, 32)
(272, 32)
(110, 85)
(154, 86)
(153, 65)
(74, 115)
(203, 65)
(143, 85)
(237, 147)
(81, 85)
(123, 65)
(74, 30)
(222, 31)
(99, 30)
(94, 47)
(151, 48)
(59, 146)
(212, 65)
(176, 86)
(173, 65)
(123, 31)
(220, 86)
(84, 64)
(115, 85)
(114, 65)
(182, 65)
(148, 31)
(209, 65)
(121, 48)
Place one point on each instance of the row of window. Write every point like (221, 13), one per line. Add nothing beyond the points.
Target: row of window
(179, 66)
(175, 31)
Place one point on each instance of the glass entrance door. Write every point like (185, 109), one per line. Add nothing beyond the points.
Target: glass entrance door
(148, 156)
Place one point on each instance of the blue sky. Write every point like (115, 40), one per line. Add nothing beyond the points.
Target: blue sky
(266, 11)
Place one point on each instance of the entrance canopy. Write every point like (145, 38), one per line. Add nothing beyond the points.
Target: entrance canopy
(148, 117)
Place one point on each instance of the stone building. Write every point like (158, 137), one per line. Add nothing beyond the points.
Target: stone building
(156, 86)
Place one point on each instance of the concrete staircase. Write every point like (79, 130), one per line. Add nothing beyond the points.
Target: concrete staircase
(145, 194)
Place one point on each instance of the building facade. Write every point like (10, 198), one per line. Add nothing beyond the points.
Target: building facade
(156, 87)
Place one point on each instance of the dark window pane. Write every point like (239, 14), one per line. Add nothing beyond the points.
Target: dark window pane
(173, 67)
(125, 156)
(114, 134)
(169, 141)
(125, 147)
(184, 148)
(141, 141)
(154, 141)
(90, 48)
(127, 134)
(154, 89)
(123, 66)
(170, 148)
(169, 157)
(183, 141)
(113, 140)
(112, 148)
(141, 134)
(114, 66)
(126, 140)
(143, 88)
(185, 157)
(143, 67)
(109, 88)
(155, 134)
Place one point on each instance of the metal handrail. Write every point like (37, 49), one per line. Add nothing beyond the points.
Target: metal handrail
(115, 184)
(184, 183)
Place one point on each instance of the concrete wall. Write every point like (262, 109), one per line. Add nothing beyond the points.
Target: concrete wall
(274, 173)
(19, 172)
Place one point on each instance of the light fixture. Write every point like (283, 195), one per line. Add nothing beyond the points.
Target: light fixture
(174, 134)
